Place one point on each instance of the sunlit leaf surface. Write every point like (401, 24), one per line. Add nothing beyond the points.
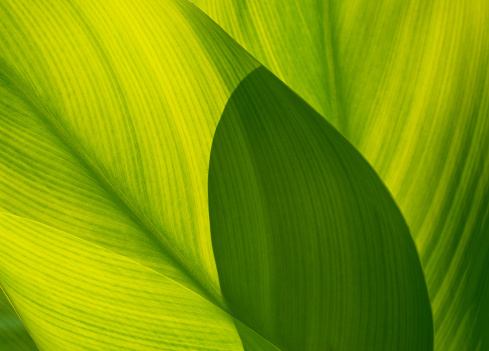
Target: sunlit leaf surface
(107, 116)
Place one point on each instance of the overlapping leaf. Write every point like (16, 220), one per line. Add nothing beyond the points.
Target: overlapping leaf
(409, 87)
(13, 335)
(323, 255)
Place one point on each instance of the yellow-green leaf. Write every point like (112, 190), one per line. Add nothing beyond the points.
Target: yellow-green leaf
(108, 110)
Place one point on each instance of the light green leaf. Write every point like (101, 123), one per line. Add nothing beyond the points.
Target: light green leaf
(317, 242)
(107, 116)
(75, 295)
(121, 85)
(408, 86)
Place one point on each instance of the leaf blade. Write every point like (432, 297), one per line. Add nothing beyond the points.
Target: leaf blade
(324, 255)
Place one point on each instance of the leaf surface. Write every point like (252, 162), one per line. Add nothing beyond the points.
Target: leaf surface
(408, 85)
(324, 258)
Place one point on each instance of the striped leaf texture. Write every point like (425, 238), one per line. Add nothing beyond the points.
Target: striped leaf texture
(244, 175)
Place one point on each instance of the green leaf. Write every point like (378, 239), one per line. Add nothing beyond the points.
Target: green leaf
(107, 115)
(408, 86)
(318, 244)
(13, 336)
